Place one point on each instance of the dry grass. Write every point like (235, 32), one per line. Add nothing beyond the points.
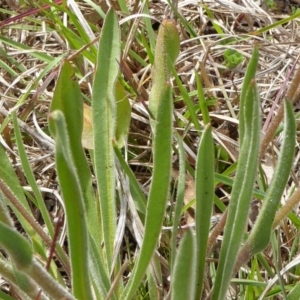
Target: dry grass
(238, 23)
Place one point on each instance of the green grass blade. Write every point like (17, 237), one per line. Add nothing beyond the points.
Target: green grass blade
(41, 75)
(96, 7)
(250, 73)
(228, 181)
(277, 24)
(67, 98)
(39, 55)
(11, 183)
(205, 192)
(7, 68)
(242, 189)
(74, 205)
(179, 198)
(76, 43)
(50, 286)
(183, 275)
(103, 115)
(30, 177)
(185, 23)
(188, 101)
(13, 62)
(203, 106)
(4, 296)
(150, 32)
(160, 106)
(37, 194)
(260, 236)
(158, 192)
(123, 115)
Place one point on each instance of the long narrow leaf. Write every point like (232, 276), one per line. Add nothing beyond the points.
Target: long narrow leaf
(179, 198)
(40, 201)
(242, 188)
(11, 183)
(67, 98)
(75, 212)
(104, 112)
(205, 193)
(251, 69)
(183, 277)
(30, 177)
(260, 236)
(160, 106)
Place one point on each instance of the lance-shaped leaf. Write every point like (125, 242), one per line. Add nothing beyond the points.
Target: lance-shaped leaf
(205, 193)
(242, 189)
(103, 116)
(160, 106)
(75, 210)
(261, 234)
(183, 276)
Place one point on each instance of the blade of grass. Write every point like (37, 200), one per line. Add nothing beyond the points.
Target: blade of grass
(185, 23)
(96, 7)
(188, 101)
(205, 192)
(243, 185)
(38, 197)
(294, 293)
(74, 205)
(183, 276)
(10, 181)
(39, 55)
(30, 177)
(261, 233)
(67, 98)
(20, 281)
(160, 106)
(42, 74)
(247, 80)
(203, 106)
(179, 198)
(276, 24)
(103, 115)
(150, 31)
(228, 181)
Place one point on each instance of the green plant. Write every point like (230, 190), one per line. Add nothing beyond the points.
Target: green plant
(271, 4)
(232, 58)
(96, 266)
(295, 10)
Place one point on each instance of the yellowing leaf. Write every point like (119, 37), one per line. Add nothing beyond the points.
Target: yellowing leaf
(87, 132)
(123, 114)
(122, 119)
